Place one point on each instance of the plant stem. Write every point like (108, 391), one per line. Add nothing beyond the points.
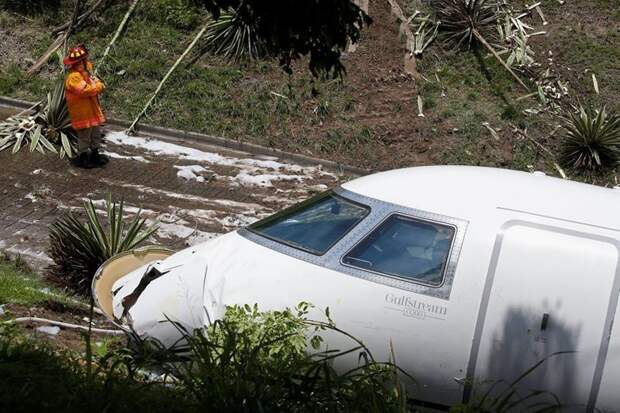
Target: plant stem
(120, 29)
(132, 128)
(498, 57)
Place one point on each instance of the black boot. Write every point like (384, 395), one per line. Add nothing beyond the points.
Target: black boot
(82, 161)
(98, 159)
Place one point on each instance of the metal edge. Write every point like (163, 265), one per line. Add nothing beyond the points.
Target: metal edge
(379, 210)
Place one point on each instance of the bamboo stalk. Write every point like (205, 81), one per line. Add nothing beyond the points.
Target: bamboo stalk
(74, 18)
(61, 40)
(498, 57)
(45, 57)
(119, 30)
(80, 20)
(132, 128)
(64, 325)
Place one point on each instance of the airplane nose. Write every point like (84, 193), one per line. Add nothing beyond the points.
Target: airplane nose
(161, 300)
(166, 303)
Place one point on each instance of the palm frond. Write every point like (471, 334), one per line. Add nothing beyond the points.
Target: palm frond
(233, 38)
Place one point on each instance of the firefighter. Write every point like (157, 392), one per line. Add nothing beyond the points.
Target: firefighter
(82, 90)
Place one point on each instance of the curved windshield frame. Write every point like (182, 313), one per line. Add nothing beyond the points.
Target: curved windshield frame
(315, 225)
(405, 247)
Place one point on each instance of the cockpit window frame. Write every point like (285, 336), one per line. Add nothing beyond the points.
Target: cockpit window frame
(386, 274)
(379, 211)
(300, 206)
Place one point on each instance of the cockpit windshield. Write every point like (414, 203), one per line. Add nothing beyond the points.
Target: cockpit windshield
(314, 225)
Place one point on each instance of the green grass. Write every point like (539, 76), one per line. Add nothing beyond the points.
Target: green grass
(20, 285)
(257, 102)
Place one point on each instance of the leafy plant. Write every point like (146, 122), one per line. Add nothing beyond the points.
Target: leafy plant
(79, 248)
(319, 29)
(232, 37)
(48, 129)
(259, 361)
(467, 23)
(591, 140)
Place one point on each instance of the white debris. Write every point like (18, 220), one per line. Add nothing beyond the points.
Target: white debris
(37, 171)
(265, 180)
(31, 197)
(50, 330)
(191, 172)
(2, 310)
(131, 158)
(191, 154)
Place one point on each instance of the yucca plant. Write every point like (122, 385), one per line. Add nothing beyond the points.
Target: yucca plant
(472, 24)
(79, 248)
(467, 23)
(232, 37)
(48, 129)
(591, 140)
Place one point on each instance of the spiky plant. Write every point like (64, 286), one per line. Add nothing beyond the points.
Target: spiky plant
(79, 248)
(591, 140)
(48, 129)
(232, 37)
(472, 24)
(464, 22)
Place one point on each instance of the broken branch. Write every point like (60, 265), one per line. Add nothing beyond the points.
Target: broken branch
(119, 30)
(132, 128)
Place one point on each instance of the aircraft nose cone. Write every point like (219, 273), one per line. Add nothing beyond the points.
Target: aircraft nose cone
(163, 301)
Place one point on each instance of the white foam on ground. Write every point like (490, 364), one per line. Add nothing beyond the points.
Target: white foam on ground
(252, 170)
(243, 206)
(131, 158)
(265, 180)
(191, 172)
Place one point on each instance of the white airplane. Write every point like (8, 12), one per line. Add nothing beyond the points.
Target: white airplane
(473, 274)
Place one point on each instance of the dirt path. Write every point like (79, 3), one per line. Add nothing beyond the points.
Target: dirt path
(194, 193)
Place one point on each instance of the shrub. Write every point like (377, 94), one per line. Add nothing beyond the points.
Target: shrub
(250, 361)
(591, 140)
(233, 38)
(78, 249)
(253, 361)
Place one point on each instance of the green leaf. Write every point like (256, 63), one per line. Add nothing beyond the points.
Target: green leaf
(34, 141)
(65, 144)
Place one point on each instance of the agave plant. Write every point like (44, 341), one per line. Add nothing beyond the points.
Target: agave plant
(591, 140)
(467, 23)
(79, 248)
(48, 129)
(232, 37)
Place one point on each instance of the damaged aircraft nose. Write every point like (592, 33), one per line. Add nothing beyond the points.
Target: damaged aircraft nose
(155, 298)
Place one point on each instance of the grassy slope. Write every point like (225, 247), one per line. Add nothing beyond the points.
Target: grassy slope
(365, 120)
(18, 285)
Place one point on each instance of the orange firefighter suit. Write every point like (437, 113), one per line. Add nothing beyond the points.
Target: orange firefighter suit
(81, 92)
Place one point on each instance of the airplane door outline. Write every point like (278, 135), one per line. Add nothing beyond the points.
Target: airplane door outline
(482, 313)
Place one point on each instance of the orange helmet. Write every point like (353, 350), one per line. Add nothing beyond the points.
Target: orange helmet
(76, 54)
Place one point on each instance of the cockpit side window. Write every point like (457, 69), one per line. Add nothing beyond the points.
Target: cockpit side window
(406, 248)
(314, 225)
